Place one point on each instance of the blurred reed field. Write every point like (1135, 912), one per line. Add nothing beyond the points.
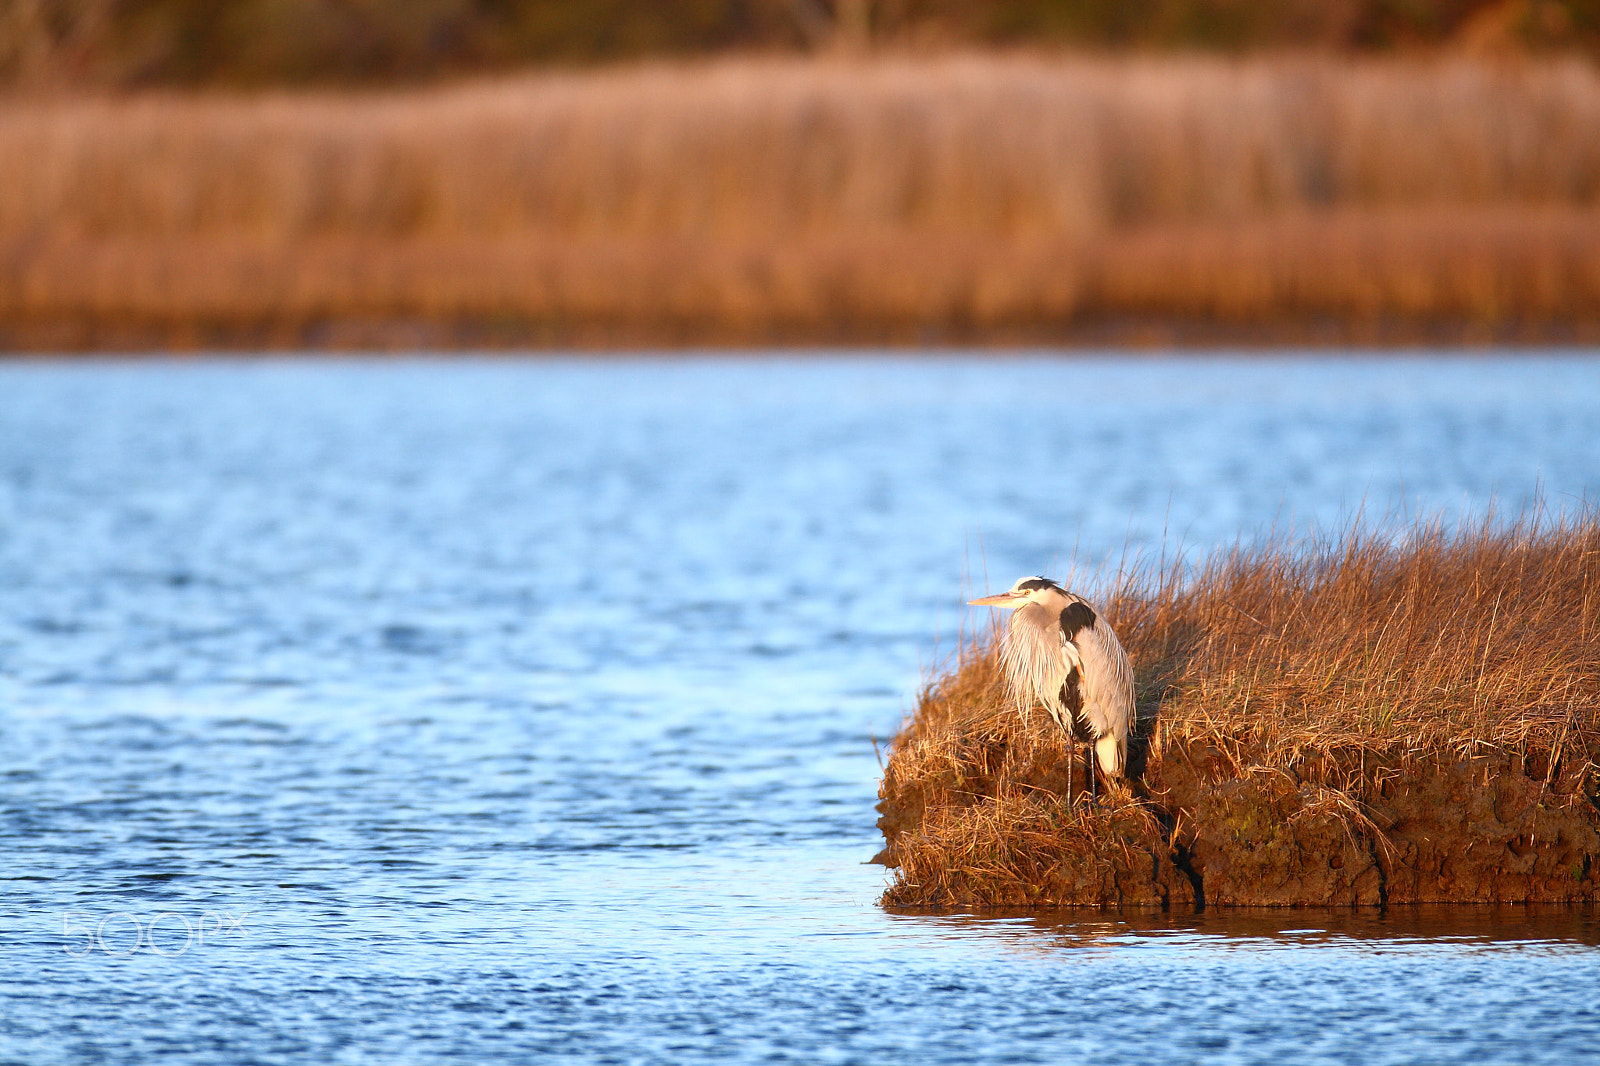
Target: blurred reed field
(952, 197)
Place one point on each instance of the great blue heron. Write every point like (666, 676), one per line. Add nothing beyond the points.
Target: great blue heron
(1059, 651)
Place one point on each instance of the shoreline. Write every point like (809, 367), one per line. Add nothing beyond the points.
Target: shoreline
(1130, 335)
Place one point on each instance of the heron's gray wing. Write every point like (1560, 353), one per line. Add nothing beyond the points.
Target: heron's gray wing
(1108, 694)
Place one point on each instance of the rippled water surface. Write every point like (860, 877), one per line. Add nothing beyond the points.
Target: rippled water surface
(407, 711)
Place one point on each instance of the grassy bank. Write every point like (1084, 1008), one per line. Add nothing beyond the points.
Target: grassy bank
(962, 198)
(1380, 719)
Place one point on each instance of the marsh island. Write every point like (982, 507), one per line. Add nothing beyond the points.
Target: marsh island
(1383, 717)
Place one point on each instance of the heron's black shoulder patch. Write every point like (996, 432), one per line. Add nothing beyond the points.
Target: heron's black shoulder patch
(1076, 617)
(1036, 583)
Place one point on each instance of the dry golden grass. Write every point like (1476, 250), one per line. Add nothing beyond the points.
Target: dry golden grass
(1419, 641)
(750, 199)
(1309, 695)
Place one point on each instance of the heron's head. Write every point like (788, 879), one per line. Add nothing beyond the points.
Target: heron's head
(1026, 590)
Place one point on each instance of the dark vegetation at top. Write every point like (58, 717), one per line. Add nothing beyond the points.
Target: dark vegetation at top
(131, 43)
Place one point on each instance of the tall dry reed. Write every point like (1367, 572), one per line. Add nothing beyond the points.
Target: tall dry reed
(1393, 641)
(1422, 640)
(751, 196)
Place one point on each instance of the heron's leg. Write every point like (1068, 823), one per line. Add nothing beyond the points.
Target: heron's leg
(1089, 769)
(1072, 757)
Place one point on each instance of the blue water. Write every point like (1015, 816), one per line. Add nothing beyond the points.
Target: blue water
(501, 710)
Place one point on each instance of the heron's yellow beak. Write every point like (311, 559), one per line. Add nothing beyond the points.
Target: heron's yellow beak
(1003, 599)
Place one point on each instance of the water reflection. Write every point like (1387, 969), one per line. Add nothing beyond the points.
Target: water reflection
(1405, 927)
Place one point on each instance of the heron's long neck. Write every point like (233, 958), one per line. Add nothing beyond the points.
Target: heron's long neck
(1031, 654)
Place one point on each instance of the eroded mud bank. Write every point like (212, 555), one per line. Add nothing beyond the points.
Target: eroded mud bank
(992, 828)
